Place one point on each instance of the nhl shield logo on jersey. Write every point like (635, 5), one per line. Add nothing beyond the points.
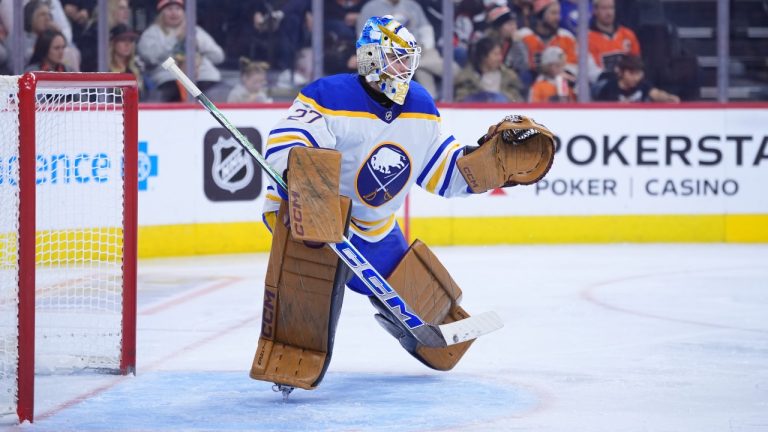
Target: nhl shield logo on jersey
(384, 174)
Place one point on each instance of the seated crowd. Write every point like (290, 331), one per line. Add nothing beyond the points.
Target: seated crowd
(259, 51)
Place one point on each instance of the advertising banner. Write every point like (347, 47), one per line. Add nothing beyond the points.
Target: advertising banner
(652, 167)
(628, 161)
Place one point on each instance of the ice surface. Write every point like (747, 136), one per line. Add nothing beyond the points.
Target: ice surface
(596, 338)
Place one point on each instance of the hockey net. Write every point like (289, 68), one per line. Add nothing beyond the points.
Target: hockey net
(80, 185)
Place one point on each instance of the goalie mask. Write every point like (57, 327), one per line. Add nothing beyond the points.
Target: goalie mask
(387, 55)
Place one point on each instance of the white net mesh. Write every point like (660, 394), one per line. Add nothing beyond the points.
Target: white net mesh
(79, 233)
(9, 245)
(79, 228)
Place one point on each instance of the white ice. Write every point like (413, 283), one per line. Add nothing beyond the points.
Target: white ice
(596, 338)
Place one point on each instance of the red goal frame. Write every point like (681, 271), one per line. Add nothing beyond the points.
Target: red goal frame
(28, 85)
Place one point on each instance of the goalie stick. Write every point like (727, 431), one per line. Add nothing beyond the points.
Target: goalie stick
(427, 334)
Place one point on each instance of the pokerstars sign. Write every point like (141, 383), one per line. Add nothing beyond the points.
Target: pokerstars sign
(632, 161)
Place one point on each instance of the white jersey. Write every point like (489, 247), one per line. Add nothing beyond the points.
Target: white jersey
(384, 151)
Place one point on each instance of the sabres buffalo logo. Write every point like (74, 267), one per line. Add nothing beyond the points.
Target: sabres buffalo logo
(384, 174)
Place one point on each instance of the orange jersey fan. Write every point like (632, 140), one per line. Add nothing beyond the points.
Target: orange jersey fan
(607, 48)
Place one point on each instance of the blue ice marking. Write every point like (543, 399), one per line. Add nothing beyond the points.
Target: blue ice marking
(230, 401)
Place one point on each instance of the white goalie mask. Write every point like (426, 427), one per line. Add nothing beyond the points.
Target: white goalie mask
(387, 55)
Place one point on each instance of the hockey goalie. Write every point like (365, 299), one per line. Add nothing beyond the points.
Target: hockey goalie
(350, 148)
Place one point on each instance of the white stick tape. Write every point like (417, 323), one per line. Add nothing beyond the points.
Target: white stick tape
(170, 65)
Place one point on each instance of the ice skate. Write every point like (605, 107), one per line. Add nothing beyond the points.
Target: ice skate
(284, 389)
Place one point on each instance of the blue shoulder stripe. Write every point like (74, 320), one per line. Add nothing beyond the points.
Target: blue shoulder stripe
(301, 131)
(434, 159)
(343, 92)
(274, 150)
(419, 101)
(447, 179)
(338, 93)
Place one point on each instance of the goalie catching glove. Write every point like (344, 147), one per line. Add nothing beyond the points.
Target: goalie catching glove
(517, 150)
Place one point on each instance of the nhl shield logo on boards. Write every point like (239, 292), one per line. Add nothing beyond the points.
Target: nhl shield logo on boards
(230, 174)
(383, 175)
(232, 168)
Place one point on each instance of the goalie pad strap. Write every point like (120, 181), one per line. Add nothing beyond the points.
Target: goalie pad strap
(515, 151)
(313, 194)
(303, 294)
(424, 283)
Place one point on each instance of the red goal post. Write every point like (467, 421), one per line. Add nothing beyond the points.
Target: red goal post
(68, 222)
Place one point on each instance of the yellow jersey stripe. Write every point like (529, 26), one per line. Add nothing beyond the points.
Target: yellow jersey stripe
(270, 218)
(288, 138)
(435, 179)
(364, 114)
(342, 113)
(378, 231)
(422, 116)
(371, 224)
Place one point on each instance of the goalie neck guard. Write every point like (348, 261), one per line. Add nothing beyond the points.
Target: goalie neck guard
(387, 55)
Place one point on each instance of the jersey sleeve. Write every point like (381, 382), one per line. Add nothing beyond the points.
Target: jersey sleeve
(440, 175)
(302, 126)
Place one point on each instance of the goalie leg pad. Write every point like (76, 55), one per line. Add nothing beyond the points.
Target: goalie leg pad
(313, 194)
(424, 283)
(303, 293)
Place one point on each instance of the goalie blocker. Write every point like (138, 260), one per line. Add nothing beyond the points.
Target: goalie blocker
(304, 287)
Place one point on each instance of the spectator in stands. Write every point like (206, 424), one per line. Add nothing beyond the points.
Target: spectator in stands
(6, 16)
(60, 19)
(670, 64)
(165, 38)
(42, 15)
(122, 55)
(291, 80)
(37, 19)
(546, 32)
(486, 78)
(339, 39)
(341, 17)
(339, 56)
(554, 84)
(48, 55)
(4, 55)
(569, 15)
(252, 87)
(628, 84)
(608, 41)
(78, 11)
(86, 33)
(411, 15)
(60, 22)
(253, 32)
(295, 32)
(82, 19)
(433, 10)
(82, 15)
(503, 26)
(524, 11)
(119, 12)
(467, 12)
